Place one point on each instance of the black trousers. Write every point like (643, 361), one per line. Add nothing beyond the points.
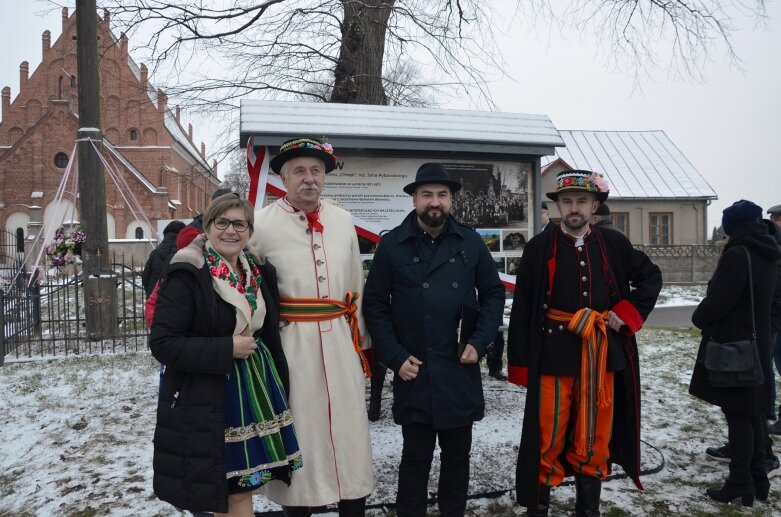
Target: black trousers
(747, 445)
(493, 356)
(416, 457)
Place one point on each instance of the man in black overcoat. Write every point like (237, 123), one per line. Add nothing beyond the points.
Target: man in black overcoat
(428, 274)
(581, 295)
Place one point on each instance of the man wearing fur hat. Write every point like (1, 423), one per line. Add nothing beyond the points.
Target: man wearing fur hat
(320, 284)
(581, 294)
(427, 274)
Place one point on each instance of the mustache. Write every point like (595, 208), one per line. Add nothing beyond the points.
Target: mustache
(304, 188)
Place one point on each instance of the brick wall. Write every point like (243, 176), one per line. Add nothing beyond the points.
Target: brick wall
(41, 122)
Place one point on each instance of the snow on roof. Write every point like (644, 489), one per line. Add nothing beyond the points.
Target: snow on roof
(392, 127)
(637, 164)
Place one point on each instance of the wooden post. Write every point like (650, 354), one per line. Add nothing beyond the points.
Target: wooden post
(100, 286)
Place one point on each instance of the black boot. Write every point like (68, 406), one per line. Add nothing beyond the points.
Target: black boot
(730, 491)
(543, 502)
(296, 511)
(352, 507)
(587, 490)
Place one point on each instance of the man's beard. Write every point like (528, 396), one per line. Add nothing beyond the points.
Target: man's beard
(433, 221)
(575, 226)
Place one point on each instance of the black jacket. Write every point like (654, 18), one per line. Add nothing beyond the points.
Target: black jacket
(157, 261)
(638, 282)
(725, 314)
(192, 337)
(414, 309)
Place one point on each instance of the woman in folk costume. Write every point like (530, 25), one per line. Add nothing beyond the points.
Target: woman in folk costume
(315, 248)
(223, 425)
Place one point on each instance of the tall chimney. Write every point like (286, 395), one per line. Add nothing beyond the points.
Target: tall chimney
(203, 150)
(162, 101)
(190, 132)
(178, 114)
(24, 71)
(6, 102)
(214, 167)
(46, 42)
(64, 18)
(106, 17)
(144, 76)
(123, 44)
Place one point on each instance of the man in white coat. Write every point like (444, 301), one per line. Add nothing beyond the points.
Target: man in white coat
(314, 247)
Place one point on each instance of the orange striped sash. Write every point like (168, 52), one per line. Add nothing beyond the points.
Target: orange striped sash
(324, 309)
(591, 326)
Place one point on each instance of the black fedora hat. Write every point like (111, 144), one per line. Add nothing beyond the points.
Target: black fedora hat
(580, 181)
(432, 173)
(298, 147)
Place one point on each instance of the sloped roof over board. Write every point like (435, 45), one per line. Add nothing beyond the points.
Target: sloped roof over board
(355, 126)
(638, 164)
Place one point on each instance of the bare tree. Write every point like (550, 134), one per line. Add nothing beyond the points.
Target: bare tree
(310, 48)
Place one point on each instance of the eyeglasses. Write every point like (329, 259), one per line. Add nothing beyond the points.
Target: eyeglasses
(240, 225)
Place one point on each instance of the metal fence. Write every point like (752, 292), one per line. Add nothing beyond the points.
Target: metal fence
(47, 317)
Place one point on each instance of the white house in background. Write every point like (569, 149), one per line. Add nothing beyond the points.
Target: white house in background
(657, 197)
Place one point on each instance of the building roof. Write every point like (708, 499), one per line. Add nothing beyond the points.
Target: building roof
(637, 164)
(351, 126)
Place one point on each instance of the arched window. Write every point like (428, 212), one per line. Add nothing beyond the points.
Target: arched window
(60, 160)
(20, 240)
(133, 134)
(139, 233)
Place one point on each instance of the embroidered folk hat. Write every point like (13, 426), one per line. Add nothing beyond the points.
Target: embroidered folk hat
(432, 173)
(304, 146)
(580, 181)
(738, 213)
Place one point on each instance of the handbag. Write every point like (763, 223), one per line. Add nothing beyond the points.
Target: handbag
(736, 364)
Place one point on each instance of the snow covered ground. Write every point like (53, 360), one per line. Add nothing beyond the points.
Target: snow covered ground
(75, 440)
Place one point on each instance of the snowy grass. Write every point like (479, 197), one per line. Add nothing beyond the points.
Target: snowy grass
(76, 440)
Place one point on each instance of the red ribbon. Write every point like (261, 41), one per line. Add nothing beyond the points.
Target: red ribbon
(313, 220)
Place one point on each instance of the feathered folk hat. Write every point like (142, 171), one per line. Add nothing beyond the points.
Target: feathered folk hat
(298, 147)
(580, 181)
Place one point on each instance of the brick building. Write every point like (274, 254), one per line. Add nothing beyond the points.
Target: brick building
(156, 158)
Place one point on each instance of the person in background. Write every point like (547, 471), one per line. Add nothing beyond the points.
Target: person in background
(581, 295)
(775, 230)
(197, 221)
(545, 220)
(729, 313)
(601, 218)
(428, 274)
(493, 357)
(315, 249)
(223, 426)
(160, 256)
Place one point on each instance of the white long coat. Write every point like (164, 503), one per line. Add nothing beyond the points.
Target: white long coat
(327, 384)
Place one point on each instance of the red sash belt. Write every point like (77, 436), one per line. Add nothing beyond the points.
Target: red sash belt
(591, 326)
(324, 309)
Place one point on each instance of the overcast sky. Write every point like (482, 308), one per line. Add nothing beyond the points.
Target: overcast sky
(727, 123)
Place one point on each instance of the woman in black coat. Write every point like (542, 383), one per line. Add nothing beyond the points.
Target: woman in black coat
(223, 426)
(724, 315)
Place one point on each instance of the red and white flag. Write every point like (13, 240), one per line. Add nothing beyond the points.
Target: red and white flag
(257, 167)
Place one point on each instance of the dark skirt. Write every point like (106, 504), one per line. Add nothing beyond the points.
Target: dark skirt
(260, 441)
